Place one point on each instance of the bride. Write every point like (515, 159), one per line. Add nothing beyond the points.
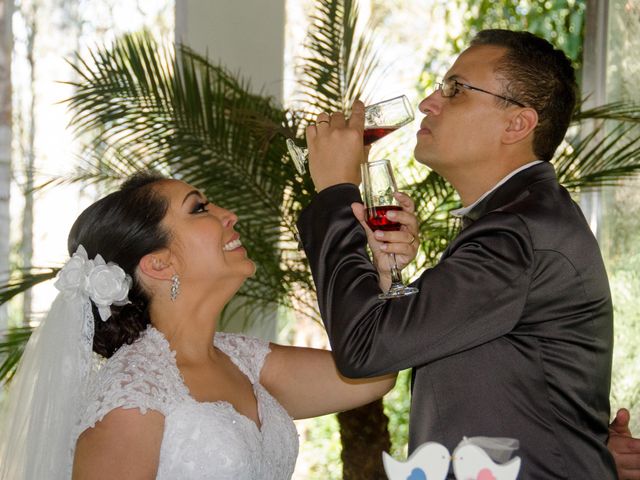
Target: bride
(152, 267)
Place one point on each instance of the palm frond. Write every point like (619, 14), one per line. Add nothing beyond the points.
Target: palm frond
(435, 198)
(22, 280)
(605, 150)
(100, 165)
(144, 106)
(618, 111)
(12, 345)
(340, 62)
(13, 341)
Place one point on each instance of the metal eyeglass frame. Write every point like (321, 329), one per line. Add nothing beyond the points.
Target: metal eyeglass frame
(449, 89)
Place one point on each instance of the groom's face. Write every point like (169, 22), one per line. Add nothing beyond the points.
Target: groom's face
(463, 130)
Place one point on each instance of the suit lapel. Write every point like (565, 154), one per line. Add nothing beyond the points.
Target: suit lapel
(512, 190)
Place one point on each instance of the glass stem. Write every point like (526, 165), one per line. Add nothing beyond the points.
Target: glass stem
(395, 272)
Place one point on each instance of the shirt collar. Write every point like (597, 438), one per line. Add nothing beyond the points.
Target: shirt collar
(459, 212)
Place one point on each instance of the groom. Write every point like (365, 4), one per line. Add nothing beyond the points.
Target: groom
(511, 333)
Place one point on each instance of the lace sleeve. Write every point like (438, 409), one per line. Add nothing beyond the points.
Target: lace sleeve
(140, 375)
(248, 353)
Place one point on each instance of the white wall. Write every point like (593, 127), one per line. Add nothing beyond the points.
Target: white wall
(247, 36)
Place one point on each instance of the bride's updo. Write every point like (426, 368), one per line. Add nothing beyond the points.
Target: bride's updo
(123, 227)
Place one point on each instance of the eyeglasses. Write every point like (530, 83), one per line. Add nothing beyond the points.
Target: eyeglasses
(450, 87)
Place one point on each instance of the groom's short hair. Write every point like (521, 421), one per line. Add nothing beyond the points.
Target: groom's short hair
(539, 76)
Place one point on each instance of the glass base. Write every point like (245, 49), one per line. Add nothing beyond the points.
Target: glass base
(298, 155)
(397, 291)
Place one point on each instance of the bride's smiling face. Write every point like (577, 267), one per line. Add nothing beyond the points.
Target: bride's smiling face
(203, 237)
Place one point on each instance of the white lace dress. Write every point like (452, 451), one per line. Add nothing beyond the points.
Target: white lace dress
(202, 440)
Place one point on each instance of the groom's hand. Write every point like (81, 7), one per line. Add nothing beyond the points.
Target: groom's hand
(336, 148)
(403, 243)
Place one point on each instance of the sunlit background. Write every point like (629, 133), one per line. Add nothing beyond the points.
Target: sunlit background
(416, 41)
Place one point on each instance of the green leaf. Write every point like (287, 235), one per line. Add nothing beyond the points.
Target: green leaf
(341, 60)
(13, 341)
(12, 344)
(22, 280)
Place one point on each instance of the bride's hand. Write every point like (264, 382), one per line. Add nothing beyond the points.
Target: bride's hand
(404, 242)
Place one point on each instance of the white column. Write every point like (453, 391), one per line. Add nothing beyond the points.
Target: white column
(6, 55)
(594, 74)
(594, 79)
(247, 36)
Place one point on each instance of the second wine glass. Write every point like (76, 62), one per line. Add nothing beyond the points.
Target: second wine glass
(380, 119)
(379, 186)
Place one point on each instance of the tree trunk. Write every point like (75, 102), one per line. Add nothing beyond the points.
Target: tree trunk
(30, 14)
(6, 49)
(365, 435)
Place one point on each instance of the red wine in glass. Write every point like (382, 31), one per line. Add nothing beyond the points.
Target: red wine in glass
(370, 135)
(377, 218)
(378, 188)
(380, 119)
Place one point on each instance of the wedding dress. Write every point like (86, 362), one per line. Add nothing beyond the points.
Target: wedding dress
(202, 440)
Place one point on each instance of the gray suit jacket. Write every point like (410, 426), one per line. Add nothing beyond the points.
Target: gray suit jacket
(510, 335)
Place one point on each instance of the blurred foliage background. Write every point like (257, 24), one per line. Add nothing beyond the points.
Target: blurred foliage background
(416, 40)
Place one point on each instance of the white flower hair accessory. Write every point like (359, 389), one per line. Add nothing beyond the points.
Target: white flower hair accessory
(105, 283)
(50, 384)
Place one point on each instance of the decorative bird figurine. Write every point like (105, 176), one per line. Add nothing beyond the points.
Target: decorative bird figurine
(430, 461)
(471, 462)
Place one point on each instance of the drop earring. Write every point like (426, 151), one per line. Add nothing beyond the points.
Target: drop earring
(175, 287)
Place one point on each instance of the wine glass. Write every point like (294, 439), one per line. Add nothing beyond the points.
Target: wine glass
(379, 185)
(380, 119)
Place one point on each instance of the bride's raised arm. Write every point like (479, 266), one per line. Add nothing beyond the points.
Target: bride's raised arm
(307, 383)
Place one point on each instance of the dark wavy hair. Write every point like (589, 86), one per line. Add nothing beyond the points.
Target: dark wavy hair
(123, 227)
(539, 76)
